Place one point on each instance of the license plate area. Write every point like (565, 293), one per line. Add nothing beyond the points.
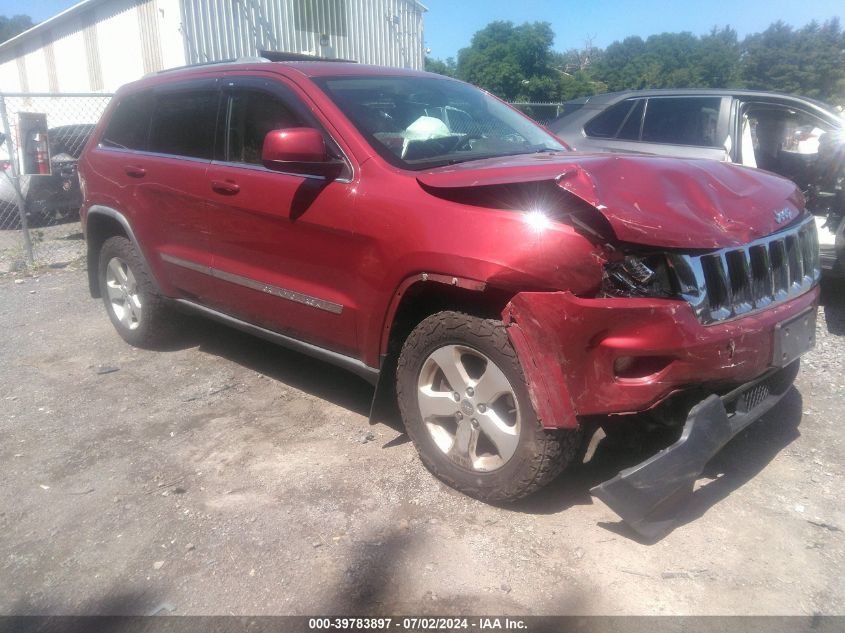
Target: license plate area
(794, 337)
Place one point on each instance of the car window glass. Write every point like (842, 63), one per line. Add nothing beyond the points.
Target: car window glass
(630, 130)
(251, 115)
(129, 123)
(682, 120)
(802, 133)
(183, 124)
(422, 122)
(607, 124)
(783, 139)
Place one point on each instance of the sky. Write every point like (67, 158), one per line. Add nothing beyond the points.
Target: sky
(450, 24)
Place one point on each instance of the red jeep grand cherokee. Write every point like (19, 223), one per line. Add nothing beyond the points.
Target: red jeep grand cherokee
(428, 237)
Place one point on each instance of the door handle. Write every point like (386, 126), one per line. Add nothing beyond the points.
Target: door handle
(135, 171)
(226, 187)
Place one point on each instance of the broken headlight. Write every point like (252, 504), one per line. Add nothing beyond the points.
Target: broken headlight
(639, 276)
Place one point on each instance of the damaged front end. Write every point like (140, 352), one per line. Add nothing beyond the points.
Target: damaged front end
(728, 324)
(708, 284)
(647, 496)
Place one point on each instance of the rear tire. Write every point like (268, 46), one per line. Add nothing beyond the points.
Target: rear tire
(492, 446)
(139, 314)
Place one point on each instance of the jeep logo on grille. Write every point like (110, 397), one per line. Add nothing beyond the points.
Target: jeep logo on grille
(783, 215)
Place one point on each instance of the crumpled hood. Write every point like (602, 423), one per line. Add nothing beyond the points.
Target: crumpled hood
(668, 202)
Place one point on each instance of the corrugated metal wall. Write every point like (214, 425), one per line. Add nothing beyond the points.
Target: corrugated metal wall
(97, 47)
(102, 45)
(383, 32)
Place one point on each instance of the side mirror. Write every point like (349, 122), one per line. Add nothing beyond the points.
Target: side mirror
(299, 150)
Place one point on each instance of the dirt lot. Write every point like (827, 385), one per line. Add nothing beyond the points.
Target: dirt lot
(52, 246)
(231, 477)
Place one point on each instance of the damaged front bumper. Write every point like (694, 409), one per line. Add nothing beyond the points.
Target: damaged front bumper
(645, 495)
(599, 357)
(584, 357)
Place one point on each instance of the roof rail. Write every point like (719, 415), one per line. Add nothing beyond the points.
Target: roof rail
(217, 62)
(263, 56)
(284, 56)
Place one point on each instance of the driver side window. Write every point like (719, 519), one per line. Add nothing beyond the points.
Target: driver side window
(250, 115)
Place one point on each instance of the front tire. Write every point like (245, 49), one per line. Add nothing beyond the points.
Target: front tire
(139, 314)
(466, 407)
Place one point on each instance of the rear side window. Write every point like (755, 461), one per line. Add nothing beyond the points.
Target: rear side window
(183, 123)
(630, 130)
(251, 115)
(682, 121)
(130, 123)
(607, 124)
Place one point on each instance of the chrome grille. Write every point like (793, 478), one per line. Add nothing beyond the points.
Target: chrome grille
(733, 282)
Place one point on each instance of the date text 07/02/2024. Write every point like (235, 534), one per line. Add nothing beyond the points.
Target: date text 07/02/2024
(418, 623)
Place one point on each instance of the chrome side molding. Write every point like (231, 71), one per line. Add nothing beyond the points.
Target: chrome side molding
(246, 282)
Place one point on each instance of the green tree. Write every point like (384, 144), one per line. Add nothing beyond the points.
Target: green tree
(672, 60)
(14, 25)
(622, 66)
(579, 84)
(518, 63)
(809, 61)
(441, 67)
(719, 59)
(574, 68)
(511, 61)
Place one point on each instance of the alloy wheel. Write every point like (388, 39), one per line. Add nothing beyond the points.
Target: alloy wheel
(469, 407)
(124, 298)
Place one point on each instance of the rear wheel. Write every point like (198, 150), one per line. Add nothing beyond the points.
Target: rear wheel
(466, 407)
(139, 314)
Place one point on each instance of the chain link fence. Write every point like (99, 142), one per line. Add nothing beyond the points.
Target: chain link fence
(543, 113)
(42, 138)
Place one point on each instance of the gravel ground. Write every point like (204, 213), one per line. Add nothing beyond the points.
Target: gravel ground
(52, 246)
(227, 476)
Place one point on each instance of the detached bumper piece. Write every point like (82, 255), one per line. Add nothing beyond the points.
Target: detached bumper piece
(646, 495)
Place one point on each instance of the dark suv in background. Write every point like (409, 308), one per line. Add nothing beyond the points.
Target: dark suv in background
(801, 139)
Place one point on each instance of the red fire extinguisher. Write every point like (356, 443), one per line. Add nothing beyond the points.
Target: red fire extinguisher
(41, 152)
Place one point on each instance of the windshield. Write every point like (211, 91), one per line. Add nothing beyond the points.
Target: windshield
(424, 122)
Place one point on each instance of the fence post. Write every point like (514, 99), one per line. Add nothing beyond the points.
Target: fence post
(16, 180)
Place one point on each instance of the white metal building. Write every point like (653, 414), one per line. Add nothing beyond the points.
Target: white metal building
(98, 45)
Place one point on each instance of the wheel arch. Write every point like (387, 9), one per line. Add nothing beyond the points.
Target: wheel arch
(102, 223)
(416, 298)
(425, 294)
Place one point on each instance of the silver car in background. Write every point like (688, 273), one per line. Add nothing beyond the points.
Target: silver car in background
(795, 137)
